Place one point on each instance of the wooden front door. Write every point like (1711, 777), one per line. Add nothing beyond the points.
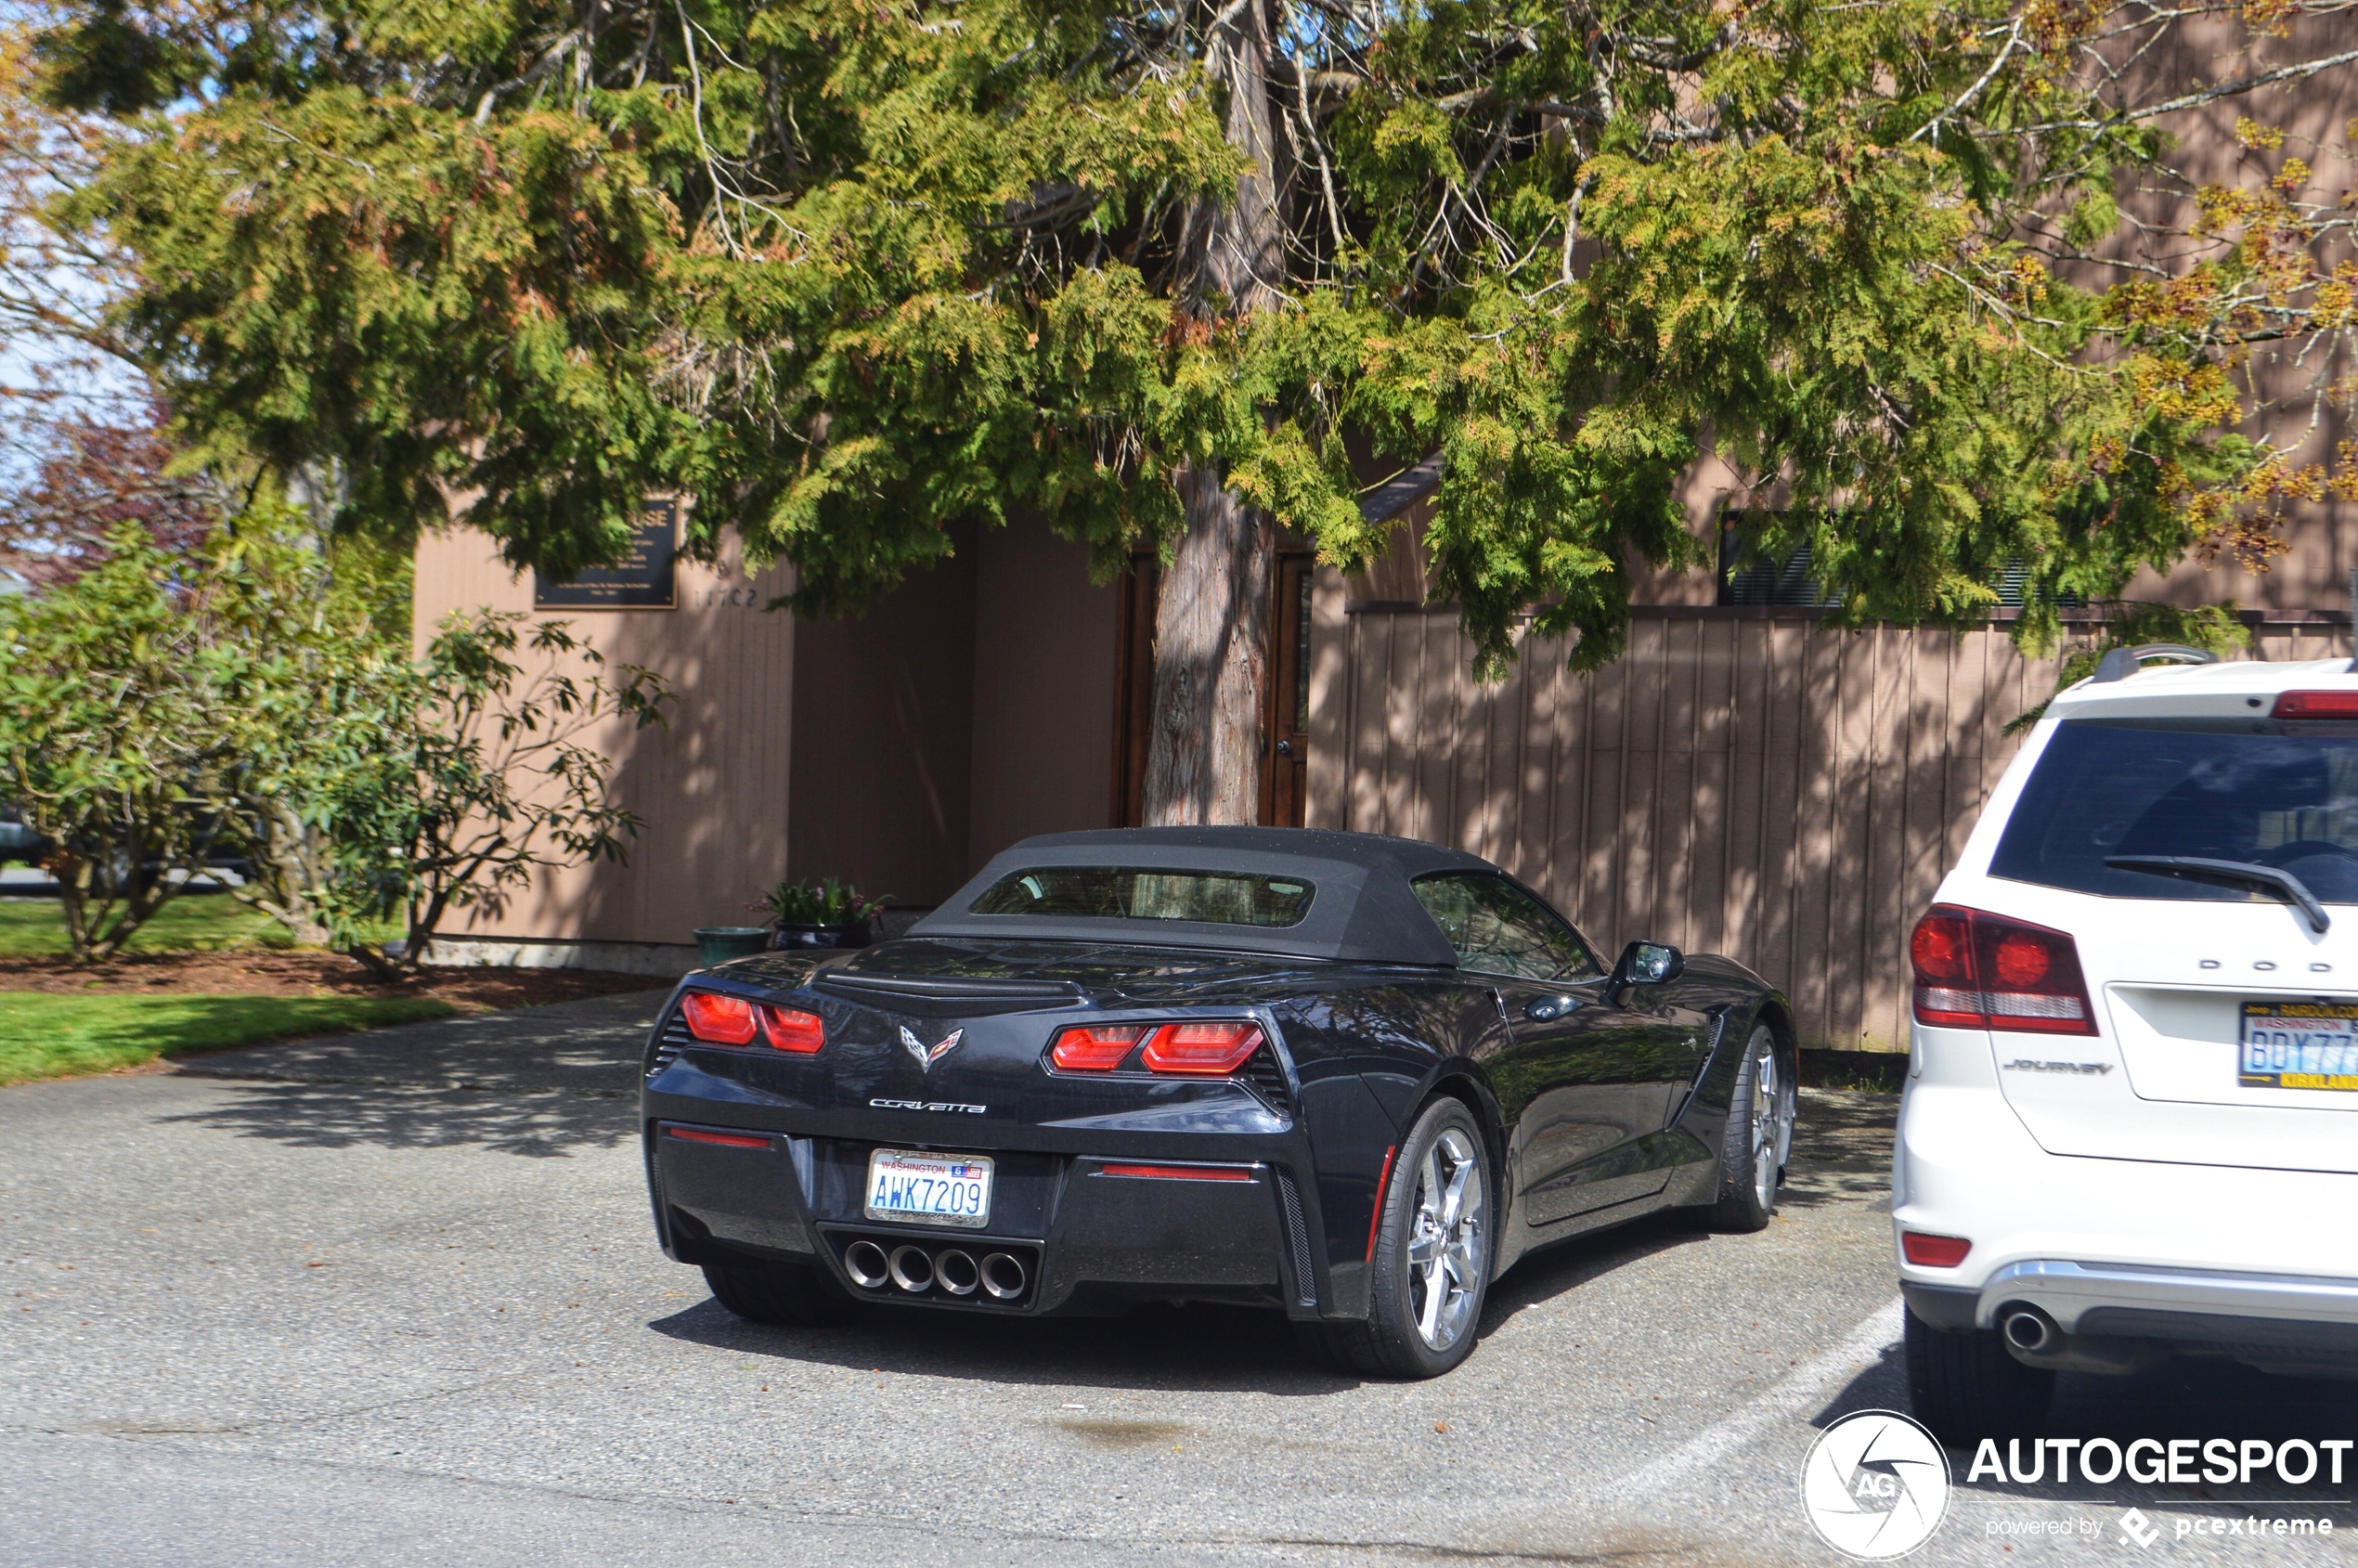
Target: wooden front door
(1285, 728)
(1285, 759)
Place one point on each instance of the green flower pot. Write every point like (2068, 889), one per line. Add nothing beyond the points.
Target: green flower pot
(718, 944)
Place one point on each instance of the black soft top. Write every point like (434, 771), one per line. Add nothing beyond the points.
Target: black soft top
(1363, 911)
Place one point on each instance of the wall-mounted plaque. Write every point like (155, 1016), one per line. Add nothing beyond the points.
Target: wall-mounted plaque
(641, 581)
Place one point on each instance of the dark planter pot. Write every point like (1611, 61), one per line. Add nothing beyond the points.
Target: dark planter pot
(718, 944)
(795, 937)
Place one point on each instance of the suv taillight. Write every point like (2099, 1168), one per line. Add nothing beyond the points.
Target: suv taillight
(1978, 970)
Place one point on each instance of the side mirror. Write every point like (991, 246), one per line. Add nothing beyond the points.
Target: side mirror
(1645, 963)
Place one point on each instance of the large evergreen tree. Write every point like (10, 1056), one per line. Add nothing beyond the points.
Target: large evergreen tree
(850, 272)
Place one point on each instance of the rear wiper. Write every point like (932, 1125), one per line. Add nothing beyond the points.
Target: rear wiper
(2250, 872)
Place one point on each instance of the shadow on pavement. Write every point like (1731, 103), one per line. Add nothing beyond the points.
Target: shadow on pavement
(580, 1047)
(344, 1115)
(1199, 1348)
(1841, 1149)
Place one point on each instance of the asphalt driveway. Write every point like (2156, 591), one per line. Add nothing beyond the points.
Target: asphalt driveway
(395, 1297)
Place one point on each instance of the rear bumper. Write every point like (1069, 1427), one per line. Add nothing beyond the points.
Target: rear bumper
(1087, 1239)
(2251, 1263)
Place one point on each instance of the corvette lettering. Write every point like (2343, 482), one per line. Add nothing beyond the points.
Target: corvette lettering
(2022, 1065)
(927, 1105)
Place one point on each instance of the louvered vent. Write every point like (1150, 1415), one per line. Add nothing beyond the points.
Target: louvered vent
(1268, 1080)
(674, 1039)
(1305, 1283)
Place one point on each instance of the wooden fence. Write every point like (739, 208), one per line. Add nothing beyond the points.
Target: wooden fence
(1741, 781)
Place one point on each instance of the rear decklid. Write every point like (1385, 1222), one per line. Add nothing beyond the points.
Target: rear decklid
(960, 1029)
(2145, 828)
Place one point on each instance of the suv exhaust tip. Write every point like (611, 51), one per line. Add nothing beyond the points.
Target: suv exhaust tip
(2028, 1328)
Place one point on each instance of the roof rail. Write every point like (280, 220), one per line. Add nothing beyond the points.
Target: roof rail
(2122, 662)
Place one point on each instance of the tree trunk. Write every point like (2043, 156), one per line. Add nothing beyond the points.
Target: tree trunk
(1212, 622)
(1203, 758)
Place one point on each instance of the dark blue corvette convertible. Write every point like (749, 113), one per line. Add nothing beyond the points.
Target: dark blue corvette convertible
(1351, 1077)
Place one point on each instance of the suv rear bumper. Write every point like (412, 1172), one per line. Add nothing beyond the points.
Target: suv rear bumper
(2100, 1298)
(2192, 1256)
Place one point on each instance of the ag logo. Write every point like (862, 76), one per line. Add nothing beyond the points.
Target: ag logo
(1875, 1485)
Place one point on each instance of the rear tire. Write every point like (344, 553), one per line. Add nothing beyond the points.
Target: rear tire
(1431, 1267)
(1758, 1140)
(789, 1293)
(1965, 1386)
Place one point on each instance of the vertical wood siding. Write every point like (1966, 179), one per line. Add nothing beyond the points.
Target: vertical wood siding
(1753, 785)
(711, 787)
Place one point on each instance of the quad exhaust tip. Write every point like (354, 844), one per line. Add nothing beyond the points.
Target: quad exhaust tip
(954, 1271)
(911, 1270)
(865, 1261)
(1003, 1276)
(957, 1273)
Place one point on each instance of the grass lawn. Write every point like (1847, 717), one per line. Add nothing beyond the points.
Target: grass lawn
(53, 1036)
(191, 923)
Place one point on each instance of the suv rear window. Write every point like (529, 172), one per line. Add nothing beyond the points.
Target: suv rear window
(2240, 790)
(1095, 892)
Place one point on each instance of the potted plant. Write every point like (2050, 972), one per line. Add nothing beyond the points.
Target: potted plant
(828, 913)
(718, 944)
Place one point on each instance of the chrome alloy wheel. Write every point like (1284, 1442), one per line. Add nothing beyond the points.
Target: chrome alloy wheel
(1772, 1117)
(1446, 1251)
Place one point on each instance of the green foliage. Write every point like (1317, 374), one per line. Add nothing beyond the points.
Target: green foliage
(2214, 629)
(476, 771)
(851, 274)
(46, 1036)
(817, 903)
(114, 704)
(257, 698)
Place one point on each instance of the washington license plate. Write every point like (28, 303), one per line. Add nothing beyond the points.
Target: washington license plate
(2298, 1046)
(932, 1189)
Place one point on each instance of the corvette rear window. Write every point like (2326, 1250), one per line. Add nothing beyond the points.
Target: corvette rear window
(1213, 897)
(2284, 799)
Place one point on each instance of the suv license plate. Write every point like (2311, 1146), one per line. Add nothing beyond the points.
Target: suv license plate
(932, 1189)
(2298, 1046)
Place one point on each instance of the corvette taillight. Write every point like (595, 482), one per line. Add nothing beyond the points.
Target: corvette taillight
(790, 1030)
(720, 1020)
(1976, 970)
(1191, 1050)
(732, 1020)
(1207, 1050)
(1093, 1048)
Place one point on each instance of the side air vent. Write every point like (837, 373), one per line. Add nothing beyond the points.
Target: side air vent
(1305, 1283)
(674, 1039)
(1267, 1079)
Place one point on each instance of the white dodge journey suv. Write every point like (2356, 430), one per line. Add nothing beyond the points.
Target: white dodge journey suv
(2131, 1124)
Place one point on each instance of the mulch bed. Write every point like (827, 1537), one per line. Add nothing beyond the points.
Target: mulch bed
(262, 972)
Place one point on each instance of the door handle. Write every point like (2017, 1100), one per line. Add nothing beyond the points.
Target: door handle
(1285, 748)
